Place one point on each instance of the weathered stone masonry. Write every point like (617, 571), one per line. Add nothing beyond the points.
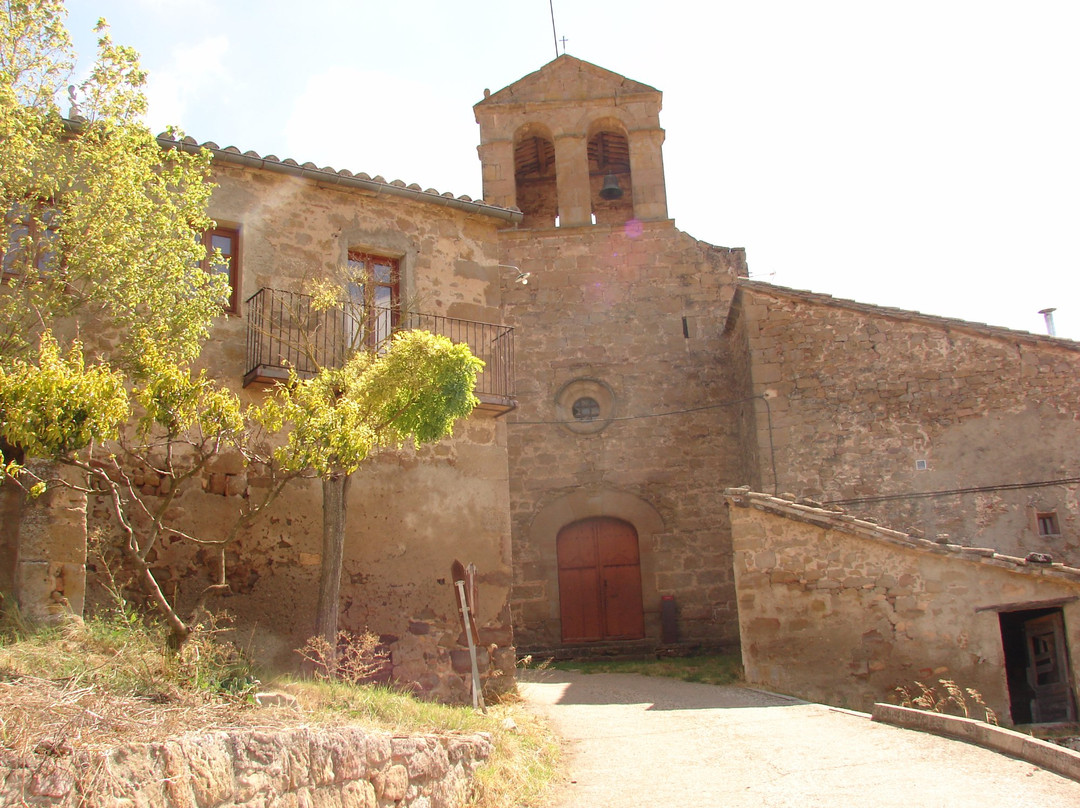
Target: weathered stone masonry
(606, 306)
(332, 767)
(861, 393)
(836, 609)
(411, 512)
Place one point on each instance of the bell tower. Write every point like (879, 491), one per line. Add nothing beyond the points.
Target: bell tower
(573, 145)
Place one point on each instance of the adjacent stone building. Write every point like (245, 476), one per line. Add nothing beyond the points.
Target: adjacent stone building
(634, 374)
(924, 423)
(836, 609)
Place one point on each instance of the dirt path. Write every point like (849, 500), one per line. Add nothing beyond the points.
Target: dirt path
(635, 740)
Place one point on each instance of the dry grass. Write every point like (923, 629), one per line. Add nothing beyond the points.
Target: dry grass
(92, 686)
(524, 765)
(952, 702)
(100, 684)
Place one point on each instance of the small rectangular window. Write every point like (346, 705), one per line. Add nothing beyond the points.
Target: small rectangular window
(1047, 522)
(227, 240)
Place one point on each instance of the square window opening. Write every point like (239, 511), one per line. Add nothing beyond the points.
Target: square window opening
(1047, 522)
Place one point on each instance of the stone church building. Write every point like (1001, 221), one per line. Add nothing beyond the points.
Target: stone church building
(634, 375)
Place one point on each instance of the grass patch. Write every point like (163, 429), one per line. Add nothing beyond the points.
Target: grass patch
(717, 669)
(111, 681)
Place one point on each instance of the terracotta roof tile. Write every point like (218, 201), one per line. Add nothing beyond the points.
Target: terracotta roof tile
(311, 170)
(829, 518)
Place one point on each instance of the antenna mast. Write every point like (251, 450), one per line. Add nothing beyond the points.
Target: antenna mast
(551, 5)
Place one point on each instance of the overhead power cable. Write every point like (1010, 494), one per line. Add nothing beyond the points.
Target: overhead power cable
(975, 489)
(646, 415)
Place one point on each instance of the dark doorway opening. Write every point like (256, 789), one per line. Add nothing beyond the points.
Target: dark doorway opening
(600, 581)
(1037, 666)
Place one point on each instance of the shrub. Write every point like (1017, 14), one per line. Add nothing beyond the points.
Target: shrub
(952, 702)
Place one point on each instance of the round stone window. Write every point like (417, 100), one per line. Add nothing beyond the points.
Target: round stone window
(585, 406)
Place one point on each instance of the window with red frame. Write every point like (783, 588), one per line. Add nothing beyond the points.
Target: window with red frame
(227, 240)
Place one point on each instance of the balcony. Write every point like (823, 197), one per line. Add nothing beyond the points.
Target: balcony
(285, 332)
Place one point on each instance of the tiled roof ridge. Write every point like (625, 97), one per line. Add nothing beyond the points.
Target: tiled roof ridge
(341, 176)
(908, 314)
(815, 513)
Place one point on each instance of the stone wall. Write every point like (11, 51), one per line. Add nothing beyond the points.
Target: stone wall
(633, 317)
(333, 767)
(841, 611)
(861, 394)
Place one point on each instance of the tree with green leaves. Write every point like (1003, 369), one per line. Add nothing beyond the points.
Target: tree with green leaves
(411, 391)
(100, 224)
(103, 302)
(104, 307)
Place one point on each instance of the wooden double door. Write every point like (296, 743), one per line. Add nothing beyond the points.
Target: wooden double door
(600, 581)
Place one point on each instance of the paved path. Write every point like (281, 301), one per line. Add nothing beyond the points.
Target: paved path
(648, 741)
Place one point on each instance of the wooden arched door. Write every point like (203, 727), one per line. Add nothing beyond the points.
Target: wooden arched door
(599, 581)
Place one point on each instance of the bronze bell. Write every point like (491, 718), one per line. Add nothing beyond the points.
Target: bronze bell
(611, 189)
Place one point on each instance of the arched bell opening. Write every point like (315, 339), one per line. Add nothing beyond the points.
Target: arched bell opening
(609, 178)
(534, 180)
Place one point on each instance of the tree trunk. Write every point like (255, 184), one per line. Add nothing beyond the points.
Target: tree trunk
(335, 498)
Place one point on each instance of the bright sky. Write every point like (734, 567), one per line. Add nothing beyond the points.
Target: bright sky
(923, 155)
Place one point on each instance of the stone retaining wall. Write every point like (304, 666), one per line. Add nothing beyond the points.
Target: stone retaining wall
(333, 767)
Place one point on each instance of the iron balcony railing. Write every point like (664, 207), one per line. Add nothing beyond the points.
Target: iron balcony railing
(286, 332)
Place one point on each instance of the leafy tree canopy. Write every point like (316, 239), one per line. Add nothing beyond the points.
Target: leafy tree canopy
(59, 405)
(413, 391)
(100, 223)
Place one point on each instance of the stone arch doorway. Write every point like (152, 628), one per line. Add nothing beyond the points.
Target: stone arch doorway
(599, 581)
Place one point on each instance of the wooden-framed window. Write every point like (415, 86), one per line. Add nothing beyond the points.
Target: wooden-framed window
(374, 292)
(227, 240)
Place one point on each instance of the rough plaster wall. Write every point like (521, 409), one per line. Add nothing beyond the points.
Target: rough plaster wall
(607, 303)
(844, 619)
(411, 512)
(861, 396)
(293, 231)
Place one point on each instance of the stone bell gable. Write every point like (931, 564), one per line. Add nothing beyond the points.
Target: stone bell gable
(549, 142)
